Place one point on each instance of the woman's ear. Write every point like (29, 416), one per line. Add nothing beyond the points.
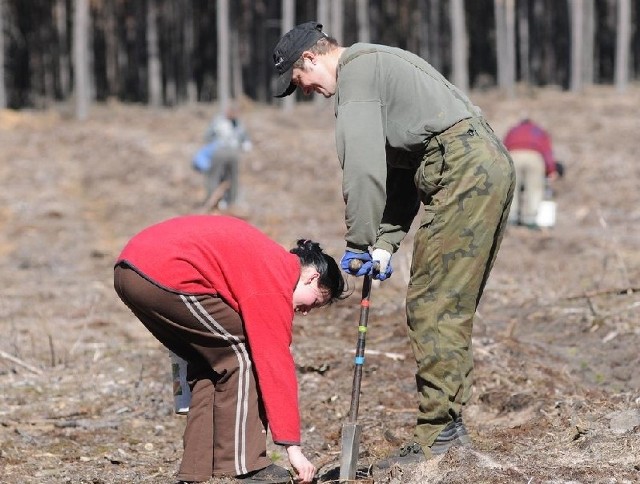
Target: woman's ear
(310, 275)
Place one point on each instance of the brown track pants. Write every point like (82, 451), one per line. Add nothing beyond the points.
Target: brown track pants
(226, 426)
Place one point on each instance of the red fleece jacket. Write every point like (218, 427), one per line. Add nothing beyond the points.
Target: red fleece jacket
(206, 254)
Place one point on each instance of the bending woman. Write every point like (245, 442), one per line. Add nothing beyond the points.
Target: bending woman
(222, 295)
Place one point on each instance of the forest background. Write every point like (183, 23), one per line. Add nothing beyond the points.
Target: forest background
(169, 52)
(106, 103)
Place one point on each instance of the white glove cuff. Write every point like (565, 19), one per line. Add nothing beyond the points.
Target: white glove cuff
(383, 257)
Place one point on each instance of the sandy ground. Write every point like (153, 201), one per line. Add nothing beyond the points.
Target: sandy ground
(85, 392)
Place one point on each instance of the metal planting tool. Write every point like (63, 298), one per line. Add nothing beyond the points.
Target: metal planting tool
(351, 430)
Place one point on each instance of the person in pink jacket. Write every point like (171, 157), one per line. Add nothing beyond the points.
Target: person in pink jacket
(222, 295)
(530, 148)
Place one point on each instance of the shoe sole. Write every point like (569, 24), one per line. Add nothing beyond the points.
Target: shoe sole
(463, 434)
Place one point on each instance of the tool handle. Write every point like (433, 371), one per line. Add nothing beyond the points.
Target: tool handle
(360, 348)
(356, 264)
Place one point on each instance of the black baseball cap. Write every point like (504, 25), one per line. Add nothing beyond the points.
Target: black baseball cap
(289, 49)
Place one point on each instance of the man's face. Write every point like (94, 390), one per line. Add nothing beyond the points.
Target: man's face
(315, 76)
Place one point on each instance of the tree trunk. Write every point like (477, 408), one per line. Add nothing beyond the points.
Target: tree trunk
(421, 18)
(224, 65)
(523, 41)
(3, 89)
(263, 64)
(434, 35)
(501, 41)
(81, 58)
(37, 60)
(324, 17)
(288, 18)
(588, 71)
(505, 44)
(362, 13)
(64, 68)
(337, 20)
(154, 75)
(536, 54)
(510, 37)
(460, 71)
(577, 31)
(46, 37)
(168, 23)
(111, 48)
(324, 14)
(623, 38)
(236, 64)
(188, 51)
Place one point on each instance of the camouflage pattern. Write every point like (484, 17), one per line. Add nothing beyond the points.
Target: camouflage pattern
(466, 181)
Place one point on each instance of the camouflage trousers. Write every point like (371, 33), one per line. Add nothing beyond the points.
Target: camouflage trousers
(466, 182)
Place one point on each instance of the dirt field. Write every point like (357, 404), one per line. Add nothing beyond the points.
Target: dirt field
(85, 391)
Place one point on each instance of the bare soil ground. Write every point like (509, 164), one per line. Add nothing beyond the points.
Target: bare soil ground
(85, 392)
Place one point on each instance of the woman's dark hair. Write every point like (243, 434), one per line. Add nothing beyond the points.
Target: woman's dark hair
(311, 254)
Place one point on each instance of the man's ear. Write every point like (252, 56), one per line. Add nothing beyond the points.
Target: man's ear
(307, 54)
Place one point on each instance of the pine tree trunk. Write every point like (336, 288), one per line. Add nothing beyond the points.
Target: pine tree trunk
(537, 51)
(3, 88)
(64, 68)
(324, 14)
(224, 69)
(263, 64)
(523, 41)
(154, 80)
(577, 31)
(236, 65)
(588, 71)
(169, 24)
(623, 37)
(510, 50)
(434, 35)
(46, 37)
(81, 59)
(337, 20)
(498, 14)
(111, 48)
(288, 18)
(362, 12)
(422, 16)
(188, 50)
(460, 71)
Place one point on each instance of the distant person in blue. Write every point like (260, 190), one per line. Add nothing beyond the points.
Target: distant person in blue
(225, 139)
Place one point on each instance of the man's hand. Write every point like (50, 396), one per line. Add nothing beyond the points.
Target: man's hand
(360, 267)
(304, 469)
(382, 259)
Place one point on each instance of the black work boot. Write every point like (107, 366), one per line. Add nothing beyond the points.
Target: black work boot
(413, 453)
(408, 454)
(445, 439)
(461, 430)
(271, 474)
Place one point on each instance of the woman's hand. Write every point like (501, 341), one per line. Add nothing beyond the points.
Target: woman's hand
(304, 469)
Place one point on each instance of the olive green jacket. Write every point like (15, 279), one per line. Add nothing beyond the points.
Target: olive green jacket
(389, 104)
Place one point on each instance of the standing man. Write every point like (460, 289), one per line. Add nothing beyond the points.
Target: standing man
(405, 134)
(530, 148)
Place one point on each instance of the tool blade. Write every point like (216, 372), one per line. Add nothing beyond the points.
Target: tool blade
(350, 448)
